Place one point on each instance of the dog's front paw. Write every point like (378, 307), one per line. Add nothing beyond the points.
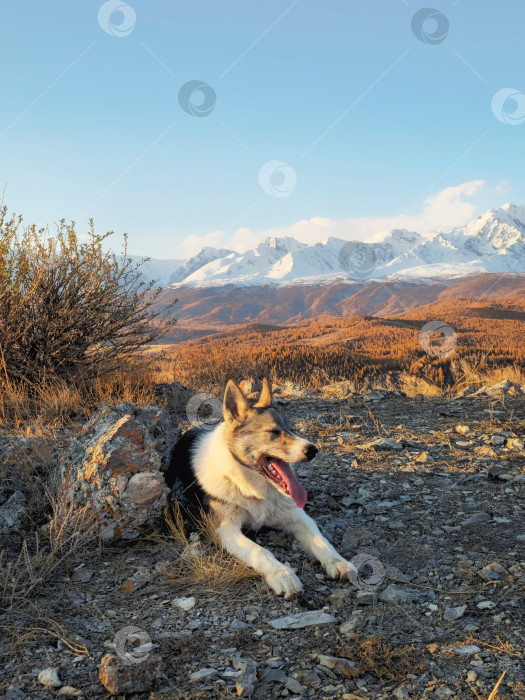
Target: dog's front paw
(283, 581)
(340, 568)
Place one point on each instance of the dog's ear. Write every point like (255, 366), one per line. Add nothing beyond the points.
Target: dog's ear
(235, 405)
(265, 399)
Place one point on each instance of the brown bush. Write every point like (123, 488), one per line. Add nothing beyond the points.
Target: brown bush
(68, 308)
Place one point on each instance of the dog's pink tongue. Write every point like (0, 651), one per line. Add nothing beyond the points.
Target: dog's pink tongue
(296, 490)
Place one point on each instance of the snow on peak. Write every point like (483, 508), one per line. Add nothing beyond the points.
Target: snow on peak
(493, 242)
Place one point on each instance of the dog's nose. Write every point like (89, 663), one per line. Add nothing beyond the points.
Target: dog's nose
(311, 451)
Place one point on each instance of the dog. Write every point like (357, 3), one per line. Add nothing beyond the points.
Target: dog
(240, 472)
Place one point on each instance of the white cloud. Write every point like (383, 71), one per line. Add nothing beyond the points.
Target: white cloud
(452, 206)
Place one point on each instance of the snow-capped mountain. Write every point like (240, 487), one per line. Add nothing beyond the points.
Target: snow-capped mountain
(494, 242)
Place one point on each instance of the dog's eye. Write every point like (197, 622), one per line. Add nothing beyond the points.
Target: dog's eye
(275, 432)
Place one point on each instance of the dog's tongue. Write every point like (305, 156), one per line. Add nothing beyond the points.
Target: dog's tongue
(296, 490)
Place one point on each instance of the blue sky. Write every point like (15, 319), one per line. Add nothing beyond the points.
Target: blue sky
(376, 127)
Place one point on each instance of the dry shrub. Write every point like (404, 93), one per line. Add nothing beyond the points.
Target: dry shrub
(203, 562)
(68, 308)
(45, 552)
(375, 656)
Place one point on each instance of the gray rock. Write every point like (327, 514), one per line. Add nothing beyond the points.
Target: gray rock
(366, 598)
(492, 572)
(486, 605)
(304, 619)
(185, 604)
(245, 684)
(49, 678)
(70, 692)
(393, 594)
(343, 667)
(294, 686)
(451, 614)
(386, 444)
(273, 675)
(203, 674)
(114, 469)
(480, 517)
(308, 677)
(15, 692)
(351, 624)
(401, 693)
(13, 512)
(467, 650)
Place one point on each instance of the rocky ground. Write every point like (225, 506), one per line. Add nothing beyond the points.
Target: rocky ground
(426, 494)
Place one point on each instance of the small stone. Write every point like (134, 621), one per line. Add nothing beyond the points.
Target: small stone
(401, 693)
(492, 572)
(467, 650)
(396, 525)
(238, 625)
(343, 667)
(15, 692)
(486, 605)
(70, 692)
(462, 429)
(366, 598)
(83, 575)
(185, 604)
(273, 675)
(245, 684)
(393, 594)
(304, 619)
(308, 677)
(498, 440)
(49, 677)
(386, 444)
(454, 613)
(472, 677)
(13, 511)
(294, 686)
(350, 625)
(203, 674)
(480, 517)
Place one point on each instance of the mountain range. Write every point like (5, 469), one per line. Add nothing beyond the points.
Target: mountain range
(494, 243)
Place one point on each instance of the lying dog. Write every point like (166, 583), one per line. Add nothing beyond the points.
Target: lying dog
(240, 470)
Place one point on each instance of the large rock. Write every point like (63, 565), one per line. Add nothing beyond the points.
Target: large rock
(115, 468)
(119, 677)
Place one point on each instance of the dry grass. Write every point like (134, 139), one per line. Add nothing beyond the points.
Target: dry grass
(375, 656)
(474, 375)
(24, 634)
(50, 403)
(203, 562)
(69, 530)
